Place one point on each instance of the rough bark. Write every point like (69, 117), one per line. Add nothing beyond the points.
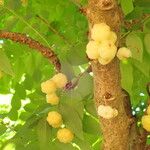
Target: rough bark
(24, 39)
(119, 133)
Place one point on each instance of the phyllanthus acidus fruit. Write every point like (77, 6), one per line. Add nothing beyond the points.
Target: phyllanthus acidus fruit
(52, 99)
(103, 47)
(124, 53)
(54, 119)
(146, 122)
(92, 50)
(60, 80)
(112, 37)
(107, 112)
(107, 50)
(100, 32)
(65, 135)
(103, 61)
(48, 86)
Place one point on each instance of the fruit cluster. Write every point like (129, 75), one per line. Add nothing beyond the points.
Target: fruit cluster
(146, 120)
(102, 46)
(54, 118)
(107, 112)
(50, 86)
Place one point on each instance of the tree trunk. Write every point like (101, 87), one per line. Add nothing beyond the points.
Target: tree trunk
(119, 133)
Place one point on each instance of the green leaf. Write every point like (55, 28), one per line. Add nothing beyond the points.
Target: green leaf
(72, 120)
(62, 146)
(84, 145)
(147, 43)
(127, 6)
(135, 44)
(3, 129)
(76, 55)
(91, 126)
(74, 99)
(85, 85)
(142, 66)
(135, 14)
(126, 76)
(43, 133)
(5, 64)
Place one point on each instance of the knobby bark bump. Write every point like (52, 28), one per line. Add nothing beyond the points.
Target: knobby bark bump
(119, 133)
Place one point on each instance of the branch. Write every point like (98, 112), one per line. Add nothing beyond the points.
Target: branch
(148, 88)
(24, 39)
(71, 85)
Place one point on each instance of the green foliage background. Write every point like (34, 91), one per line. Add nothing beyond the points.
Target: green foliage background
(23, 123)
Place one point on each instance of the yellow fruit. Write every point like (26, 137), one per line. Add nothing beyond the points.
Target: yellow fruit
(100, 32)
(104, 61)
(107, 112)
(148, 110)
(107, 50)
(146, 122)
(48, 86)
(92, 50)
(112, 37)
(124, 53)
(65, 135)
(60, 80)
(54, 119)
(52, 99)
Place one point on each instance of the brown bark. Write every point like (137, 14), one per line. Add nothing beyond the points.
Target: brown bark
(119, 133)
(24, 39)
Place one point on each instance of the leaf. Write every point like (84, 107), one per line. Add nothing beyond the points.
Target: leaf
(72, 120)
(127, 6)
(142, 66)
(135, 44)
(85, 85)
(135, 14)
(147, 43)
(29, 64)
(76, 55)
(143, 3)
(62, 146)
(146, 26)
(74, 99)
(84, 145)
(126, 76)
(43, 133)
(5, 64)
(90, 107)
(91, 126)
(3, 129)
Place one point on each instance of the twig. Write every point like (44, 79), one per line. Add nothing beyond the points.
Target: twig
(148, 88)
(24, 39)
(76, 3)
(71, 85)
(52, 29)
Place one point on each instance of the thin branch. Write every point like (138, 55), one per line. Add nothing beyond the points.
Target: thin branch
(76, 3)
(53, 30)
(71, 85)
(148, 88)
(24, 39)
